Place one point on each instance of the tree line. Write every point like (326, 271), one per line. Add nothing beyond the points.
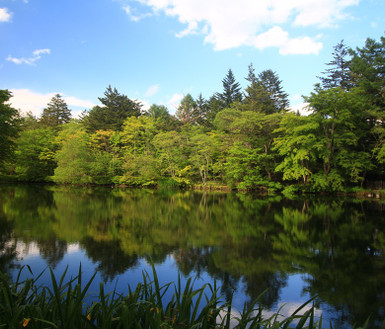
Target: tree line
(244, 139)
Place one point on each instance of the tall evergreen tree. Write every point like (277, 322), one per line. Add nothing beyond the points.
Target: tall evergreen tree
(265, 93)
(8, 125)
(270, 81)
(56, 113)
(202, 109)
(368, 71)
(116, 108)
(231, 90)
(339, 74)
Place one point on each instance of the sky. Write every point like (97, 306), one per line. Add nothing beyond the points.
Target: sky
(157, 51)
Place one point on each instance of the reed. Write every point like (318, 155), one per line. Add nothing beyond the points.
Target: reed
(25, 304)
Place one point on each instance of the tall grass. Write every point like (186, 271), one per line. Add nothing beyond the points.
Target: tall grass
(25, 304)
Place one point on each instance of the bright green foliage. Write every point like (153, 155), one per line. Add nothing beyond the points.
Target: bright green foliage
(169, 147)
(8, 126)
(80, 163)
(340, 115)
(242, 167)
(137, 134)
(298, 146)
(116, 108)
(205, 147)
(56, 113)
(138, 164)
(74, 161)
(35, 155)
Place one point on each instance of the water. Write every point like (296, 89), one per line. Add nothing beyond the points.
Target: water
(292, 250)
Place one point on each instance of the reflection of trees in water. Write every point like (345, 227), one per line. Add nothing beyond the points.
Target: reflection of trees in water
(52, 251)
(339, 247)
(7, 245)
(235, 239)
(111, 259)
(216, 262)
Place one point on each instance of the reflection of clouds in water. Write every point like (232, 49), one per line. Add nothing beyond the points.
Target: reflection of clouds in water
(32, 249)
(285, 310)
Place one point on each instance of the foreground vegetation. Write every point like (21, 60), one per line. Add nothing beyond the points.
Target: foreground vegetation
(243, 139)
(26, 304)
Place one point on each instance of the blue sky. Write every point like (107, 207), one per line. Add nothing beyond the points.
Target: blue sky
(156, 51)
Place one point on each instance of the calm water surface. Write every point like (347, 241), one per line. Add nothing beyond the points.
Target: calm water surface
(292, 249)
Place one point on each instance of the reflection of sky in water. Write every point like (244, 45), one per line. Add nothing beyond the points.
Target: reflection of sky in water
(291, 295)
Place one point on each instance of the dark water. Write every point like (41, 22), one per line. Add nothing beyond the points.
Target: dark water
(332, 248)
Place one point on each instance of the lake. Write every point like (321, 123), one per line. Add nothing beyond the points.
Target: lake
(288, 249)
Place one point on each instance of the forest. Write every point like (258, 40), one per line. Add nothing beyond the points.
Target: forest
(236, 139)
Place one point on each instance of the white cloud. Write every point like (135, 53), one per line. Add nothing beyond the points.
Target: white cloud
(174, 102)
(152, 90)
(27, 100)
(36, 55)
(5, 15)
(229, 24)
(300, 46)
(302, 109)
(135, 18)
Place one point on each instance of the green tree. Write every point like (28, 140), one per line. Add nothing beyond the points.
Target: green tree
(272, 84)
(265, 93)
(169, 148)
(339, 74)
(74, 161)
(231, 90)
(187, 111)
(35, 155)
(56, 113)
(116, 108)
(204, 149)
(298, 145)
(9, 122)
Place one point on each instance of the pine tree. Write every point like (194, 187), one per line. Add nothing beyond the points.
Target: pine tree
(265, 93)
(270, 81)
(116, 108)
(338, 75)
(56, 113)
(231, 90)
(9, 126)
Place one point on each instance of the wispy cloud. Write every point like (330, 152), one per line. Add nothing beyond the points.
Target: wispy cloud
(152, 90)
(229, 24)
(36, 55)
(133, 16)
(5, 15)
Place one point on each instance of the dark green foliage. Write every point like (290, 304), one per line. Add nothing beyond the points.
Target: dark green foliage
(56, 113)
(265, 93)
(339, 74)
(116, 108)
(9, 120)
(231, 90)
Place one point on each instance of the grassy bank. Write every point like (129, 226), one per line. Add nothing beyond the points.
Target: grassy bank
(26, 304)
